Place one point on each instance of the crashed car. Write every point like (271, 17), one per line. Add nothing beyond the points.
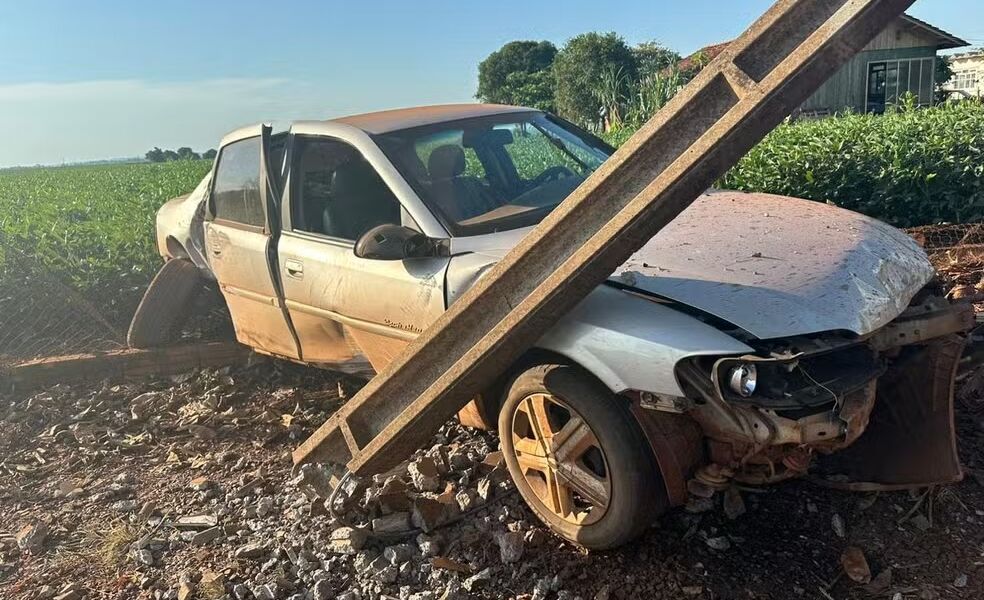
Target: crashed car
(755, 339)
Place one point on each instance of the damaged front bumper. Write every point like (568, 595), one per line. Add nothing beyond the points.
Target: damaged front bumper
(873, 412)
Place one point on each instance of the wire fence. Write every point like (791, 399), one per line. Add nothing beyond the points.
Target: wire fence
(957, 252)
(42, 316)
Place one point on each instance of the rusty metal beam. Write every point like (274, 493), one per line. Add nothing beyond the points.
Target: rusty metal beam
(734, 102)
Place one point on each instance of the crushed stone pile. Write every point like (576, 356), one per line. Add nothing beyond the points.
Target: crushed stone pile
(182, 488)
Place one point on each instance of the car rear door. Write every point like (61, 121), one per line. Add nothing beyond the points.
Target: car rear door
(240, 239)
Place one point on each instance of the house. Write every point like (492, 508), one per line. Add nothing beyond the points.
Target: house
(968, 73)
(901, 59)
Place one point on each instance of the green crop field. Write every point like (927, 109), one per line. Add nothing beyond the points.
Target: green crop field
(90, 227)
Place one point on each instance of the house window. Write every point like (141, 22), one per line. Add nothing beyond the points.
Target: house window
(965, 80)
(890, 81)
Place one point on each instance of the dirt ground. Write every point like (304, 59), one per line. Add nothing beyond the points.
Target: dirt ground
(110, 469)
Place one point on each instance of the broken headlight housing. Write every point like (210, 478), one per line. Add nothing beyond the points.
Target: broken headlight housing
(743, 379)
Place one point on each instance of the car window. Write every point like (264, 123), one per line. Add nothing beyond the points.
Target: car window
(494, 173)
(533, 152)
(336, 192)
(236, 193)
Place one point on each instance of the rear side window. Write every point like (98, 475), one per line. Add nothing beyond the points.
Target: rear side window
(236, 194)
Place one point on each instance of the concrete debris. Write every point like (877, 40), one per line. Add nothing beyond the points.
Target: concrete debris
(880, 583)
(732, 503)
(428, 514)
(313, 481)
(241, 591)
(31, 538)
(425, 475)
(840, 528)
(212, 584)
(251, 550)
(428, 545)
(144, 557)
(201, 484)
(478, 581)
(196, 522)
(443, 562)
(347, 540)
(718, 543)
(186, 590)
(264, 506)
(511, 546)
(208, 535)
(392, 523)
(855, 565)
(322, 590)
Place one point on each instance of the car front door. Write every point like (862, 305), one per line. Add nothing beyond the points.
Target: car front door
(240, 238)
(341, 304)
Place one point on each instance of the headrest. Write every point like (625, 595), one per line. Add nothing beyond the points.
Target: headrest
(446, 162)
(354, 177)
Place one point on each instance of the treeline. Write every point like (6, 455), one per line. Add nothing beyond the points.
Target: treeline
(596, 79)
(183, 153)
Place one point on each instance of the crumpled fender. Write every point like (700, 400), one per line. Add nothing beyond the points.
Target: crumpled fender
(633, 343)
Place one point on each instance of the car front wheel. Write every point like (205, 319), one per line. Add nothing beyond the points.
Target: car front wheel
(578, 457)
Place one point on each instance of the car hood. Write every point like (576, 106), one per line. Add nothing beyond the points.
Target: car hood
(772, 265)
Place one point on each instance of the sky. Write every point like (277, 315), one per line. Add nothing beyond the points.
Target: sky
(86, 80)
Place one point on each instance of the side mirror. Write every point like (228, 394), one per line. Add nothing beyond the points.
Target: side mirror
(392, 242)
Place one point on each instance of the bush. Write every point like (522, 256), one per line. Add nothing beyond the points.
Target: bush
(908, 167)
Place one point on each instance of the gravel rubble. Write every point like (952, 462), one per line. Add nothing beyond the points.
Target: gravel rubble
(183, 489)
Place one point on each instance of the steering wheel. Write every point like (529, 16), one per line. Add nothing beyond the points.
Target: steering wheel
(554, 173)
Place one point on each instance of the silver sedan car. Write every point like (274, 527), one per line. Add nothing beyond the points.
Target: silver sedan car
(755, 339)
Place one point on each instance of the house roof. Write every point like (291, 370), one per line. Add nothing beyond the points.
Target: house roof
(405, 118)
(945, 40)
(708, 53)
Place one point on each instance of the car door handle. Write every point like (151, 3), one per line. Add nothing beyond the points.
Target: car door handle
(294, 268)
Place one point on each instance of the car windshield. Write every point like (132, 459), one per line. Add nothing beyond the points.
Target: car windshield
(496, 173)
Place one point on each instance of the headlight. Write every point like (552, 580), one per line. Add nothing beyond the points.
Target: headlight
(742, 379)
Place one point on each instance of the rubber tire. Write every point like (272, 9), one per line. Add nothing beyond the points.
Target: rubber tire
(166, 305)
(638, 495)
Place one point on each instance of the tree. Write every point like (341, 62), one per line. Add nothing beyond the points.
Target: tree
(535, 90)
(156, 155)
(209, 154)
(581, 66)
(186, 153)
(518, 73)
(654, 58)
(170, 155)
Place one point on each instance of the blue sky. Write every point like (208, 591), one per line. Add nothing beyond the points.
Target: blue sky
(89, 80)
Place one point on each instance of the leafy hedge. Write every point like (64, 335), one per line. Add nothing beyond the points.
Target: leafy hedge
(908, 167)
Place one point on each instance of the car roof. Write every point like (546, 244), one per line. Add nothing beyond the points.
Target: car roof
(404, 118)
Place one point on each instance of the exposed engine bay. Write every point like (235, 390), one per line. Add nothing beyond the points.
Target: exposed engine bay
(875, 400)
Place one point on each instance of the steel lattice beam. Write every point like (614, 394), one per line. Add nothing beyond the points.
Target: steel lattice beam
(729, 107)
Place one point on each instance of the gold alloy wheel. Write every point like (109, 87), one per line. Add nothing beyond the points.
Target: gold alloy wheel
(561, 459)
